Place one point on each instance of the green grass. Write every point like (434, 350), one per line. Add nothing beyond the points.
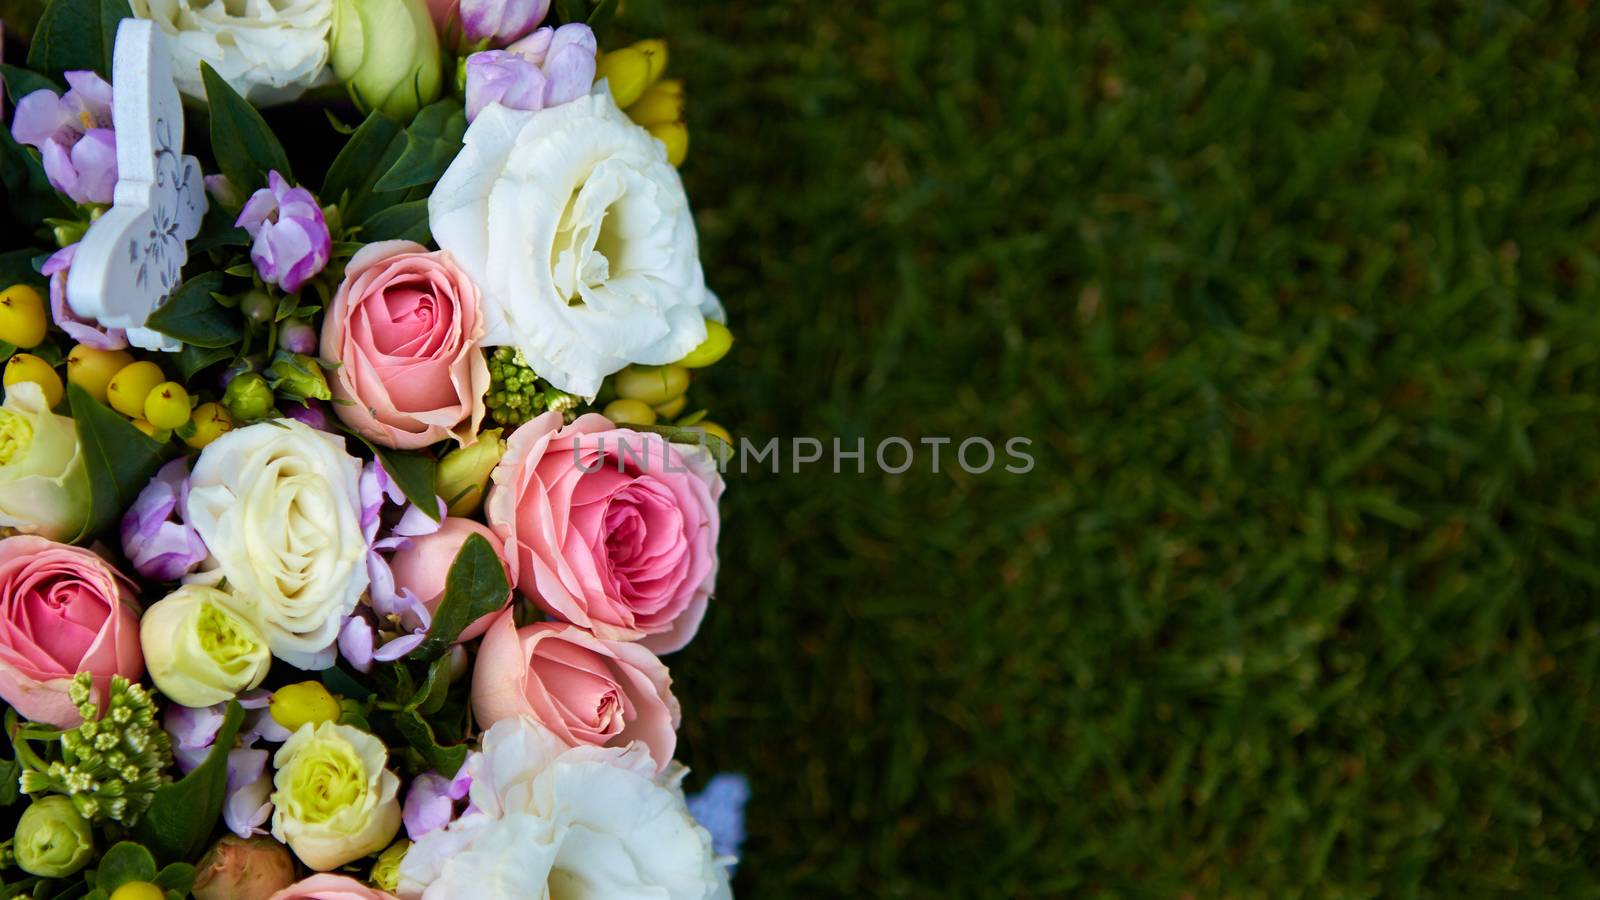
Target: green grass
(1299, 305)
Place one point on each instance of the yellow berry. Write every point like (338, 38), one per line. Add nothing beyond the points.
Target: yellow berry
(208, 422)
(131, 385)
(662, 103)
(27, 367)
(150, 431)
(305, 703)
(675, 135)
(167, 406)
(630, 412)
(713, 428)
(718, 340)
(654, 50)
(653, 385)
(138, 890)
(627, 71)
(671, 408)
(91, 368)
(22, 317)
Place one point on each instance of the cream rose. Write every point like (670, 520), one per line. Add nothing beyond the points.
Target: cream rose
(270, 51)
(333, 800)
(278, 505)
(580, 823)
(198, 650)
(578, 234)
(44, 488)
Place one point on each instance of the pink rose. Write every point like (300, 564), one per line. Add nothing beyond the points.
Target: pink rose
(424, 562)
(404, 328)
(610, 529)
(331, 887)
(584, 689)
(63, 610)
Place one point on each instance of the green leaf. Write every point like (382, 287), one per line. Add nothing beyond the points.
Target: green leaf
(179, 822)
(193, 316)
(435, 688)
(245, 147)
(119, 458)
(402, 222)
(414, 471)
(217, 230)
(178, 876)
(419, 734)
(21, 82)
(16, 267)
(475, 587)
(77, 34)
(432, 142)
(123, 863)
(602, 14)
(369, 153)
(344, 684)
(192, 359)
(28, 190)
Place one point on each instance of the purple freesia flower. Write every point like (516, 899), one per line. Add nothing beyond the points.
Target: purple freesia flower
(433, 801)
(194, 732)
(550, 67)
(291, 240)
(399, 614)
(74, 134)
(249, 804)
(501, 21)
(84, 331)
(160, 547)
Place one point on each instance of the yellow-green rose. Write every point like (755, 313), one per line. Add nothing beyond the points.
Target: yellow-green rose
(44, 487)
(334, 801)
(199, 650)
(387, 53)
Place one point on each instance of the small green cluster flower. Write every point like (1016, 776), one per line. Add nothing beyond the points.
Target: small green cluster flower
(515, 394)
(111, 764)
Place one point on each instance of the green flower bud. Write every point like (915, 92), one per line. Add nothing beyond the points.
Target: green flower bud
(463, 474)
(53, 840)
(386, 871)
(298, 377)
(248, 398)
(387, 53)
(258, 307)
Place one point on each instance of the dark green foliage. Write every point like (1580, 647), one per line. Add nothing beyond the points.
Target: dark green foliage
(1299, 305)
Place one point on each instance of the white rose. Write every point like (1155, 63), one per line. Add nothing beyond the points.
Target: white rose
(198, 650)
(333, 800)
(579, 236)
(44, 487)
(269, 51)
(278, 504)
(585, 823)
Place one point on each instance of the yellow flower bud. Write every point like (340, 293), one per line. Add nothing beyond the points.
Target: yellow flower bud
(464, 472)
(131, 385)
(716, 345)
(138, 890)
(167, 407)
(208, 422)
(675, 135)
(652, 384)
(22, 318)
(27, 367)
(661, 104)
(306, 703)
(388, 53)
(627, 71)
(655, 50)
(630, 412)
(91, 368)
(671, 408)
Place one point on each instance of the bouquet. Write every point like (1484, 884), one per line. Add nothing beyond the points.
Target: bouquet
(350, 490)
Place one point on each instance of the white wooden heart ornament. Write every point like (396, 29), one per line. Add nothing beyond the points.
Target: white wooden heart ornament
(131, 258)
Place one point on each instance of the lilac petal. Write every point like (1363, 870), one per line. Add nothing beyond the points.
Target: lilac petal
(95, 159)
(399, 647)
(93, 93)
(41, 117)
(261, 726)
(249, 787)
(503, 77)
(536, 45)
(355, 643)
(416, 523)
(58, 168)
(461, 785)
(256, 211)
(260, 698)
(428, 806)
(574, 34)
(571, 70)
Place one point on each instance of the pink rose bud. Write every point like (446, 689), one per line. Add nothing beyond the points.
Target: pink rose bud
(289, 234)
(422, 564)
(331, 887)
(237, 869)
(610, 529)
(404, 328)
(63, 610)
(585, 690)
(73, 132)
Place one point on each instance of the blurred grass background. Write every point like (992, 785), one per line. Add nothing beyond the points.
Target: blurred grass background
(1298, 303)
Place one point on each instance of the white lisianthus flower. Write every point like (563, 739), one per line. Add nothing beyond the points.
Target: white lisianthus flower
(44, 487)
(198, 650)
(579, 236)
(269, 51)
(333, 800)
(581, 823)
(278, 505)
